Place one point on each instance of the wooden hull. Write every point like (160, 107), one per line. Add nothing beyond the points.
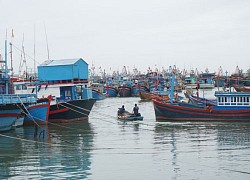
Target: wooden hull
(111, 91)
(174, 112)
(124, 91)
(38, 113)
(145, 95)
(98, 95)
(8, 116)
(75, 110)
(135, 89)
(150, 96)
(130, 118)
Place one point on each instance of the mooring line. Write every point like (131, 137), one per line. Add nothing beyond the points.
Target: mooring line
(32, 141)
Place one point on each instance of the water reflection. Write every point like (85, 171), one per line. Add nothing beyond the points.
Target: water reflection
(58, 152)
(200, 147)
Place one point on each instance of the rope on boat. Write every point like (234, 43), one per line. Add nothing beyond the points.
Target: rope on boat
(27, 111)
(77, 107)
(74, 110)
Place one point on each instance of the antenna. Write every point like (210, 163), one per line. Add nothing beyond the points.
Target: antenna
(11, 52)
(34, 51)
(46, 40)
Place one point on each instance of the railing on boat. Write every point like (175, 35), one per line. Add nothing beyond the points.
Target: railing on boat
(17, 98)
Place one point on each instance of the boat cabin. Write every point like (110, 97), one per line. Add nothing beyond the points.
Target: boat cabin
(232, 98)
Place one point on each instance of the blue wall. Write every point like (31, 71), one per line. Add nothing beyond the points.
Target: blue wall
(78, 70)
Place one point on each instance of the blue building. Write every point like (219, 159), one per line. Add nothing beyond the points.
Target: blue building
(65, 69)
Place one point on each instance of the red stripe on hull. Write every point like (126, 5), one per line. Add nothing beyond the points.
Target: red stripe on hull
(58, 111)
(9, 115)
(165, 111)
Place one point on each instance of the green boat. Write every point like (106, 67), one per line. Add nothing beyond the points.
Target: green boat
(126, 116)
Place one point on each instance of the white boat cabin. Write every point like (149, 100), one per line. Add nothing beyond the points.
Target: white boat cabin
(232, 98)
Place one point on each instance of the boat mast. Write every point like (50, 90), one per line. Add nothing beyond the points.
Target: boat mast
(34, 51)
(6, 67)
(46, 40)
(11, 59)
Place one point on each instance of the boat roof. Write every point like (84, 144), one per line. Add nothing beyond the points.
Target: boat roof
(218, 93)
(60, 62)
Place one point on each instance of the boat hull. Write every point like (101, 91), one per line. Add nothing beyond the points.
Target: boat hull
(75, 110)
(174, 112)
(131, 118)
(38, 113)
(124, 91)
(111, 91)
(8, 116)
(136, 89)
(98, 95)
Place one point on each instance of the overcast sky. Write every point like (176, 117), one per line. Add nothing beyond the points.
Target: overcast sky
(134, 33)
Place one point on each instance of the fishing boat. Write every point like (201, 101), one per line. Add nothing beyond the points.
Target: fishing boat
(124, 91)
(110, 91)
(72, 99)
(37, 113)
(126, 116)
(10, 104)
(151, 95)
(137, 88)
(230, 106)
(73, 110)
(97, 91)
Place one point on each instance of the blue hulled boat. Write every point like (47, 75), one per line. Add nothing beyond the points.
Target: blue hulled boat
(11, 105)
(110, 91)
(126, 116)
(97, 91)
(38, 112)
(230, 106)
(136, 88)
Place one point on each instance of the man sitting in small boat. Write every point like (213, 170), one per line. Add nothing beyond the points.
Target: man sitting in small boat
(136, 110)
(121, 110)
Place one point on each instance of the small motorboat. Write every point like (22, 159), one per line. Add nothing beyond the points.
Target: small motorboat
(127, 116)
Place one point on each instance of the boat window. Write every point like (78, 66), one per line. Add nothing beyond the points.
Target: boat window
(24, 87)
(219, 100)
(241, 100)
(232, 99)
(19, 87)
(225, 99)
(238, 99)
(247, 99)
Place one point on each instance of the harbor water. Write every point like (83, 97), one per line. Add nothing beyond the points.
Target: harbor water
(105, 148)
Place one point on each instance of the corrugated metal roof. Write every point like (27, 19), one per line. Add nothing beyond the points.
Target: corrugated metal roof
(60, 62)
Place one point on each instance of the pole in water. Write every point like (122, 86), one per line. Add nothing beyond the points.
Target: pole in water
(36, 130)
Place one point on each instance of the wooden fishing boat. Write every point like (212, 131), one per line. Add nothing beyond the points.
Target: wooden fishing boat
(10, 104)
(110, 91)
(37, 113)
(149, 95)
(124, 91)
(130, 118)
(145, 95)
(68, 111)
(230, 106)
(97, 91)
(126, 116)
